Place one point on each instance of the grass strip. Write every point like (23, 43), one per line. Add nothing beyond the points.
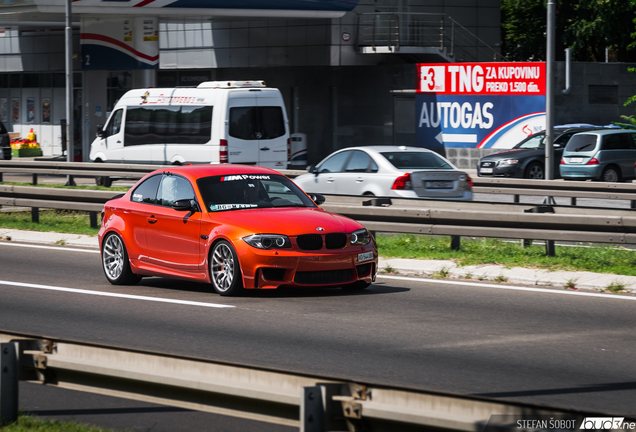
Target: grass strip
(28, 423)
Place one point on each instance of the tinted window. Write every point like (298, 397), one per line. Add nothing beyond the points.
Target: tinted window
(168, 125)
(254, 123)
(532, 142)
(581, 142)
(246, 191)
(174, 188)
(359, 162)
(416, 160)
(147, 191)
(335, 163)
(617, 142)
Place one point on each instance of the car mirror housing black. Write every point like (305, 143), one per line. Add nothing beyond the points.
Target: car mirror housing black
(317, 198)
(100, 131)
(185, 205)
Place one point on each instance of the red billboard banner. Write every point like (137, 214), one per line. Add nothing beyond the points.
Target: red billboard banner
(527, 78)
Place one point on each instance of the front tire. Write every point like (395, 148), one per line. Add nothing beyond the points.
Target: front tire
(535, 171)
(103, 181)
(115, 261)
(225, 271)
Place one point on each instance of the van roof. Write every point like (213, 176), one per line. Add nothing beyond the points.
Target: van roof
(232, 84)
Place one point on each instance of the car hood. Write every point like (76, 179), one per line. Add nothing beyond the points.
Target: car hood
(517, 153)
(289, 221)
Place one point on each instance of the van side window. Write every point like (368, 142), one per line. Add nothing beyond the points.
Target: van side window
(146, 192)
(114, 126)
(174, 188)
(255, 123)
(616, 142)
(168, 125)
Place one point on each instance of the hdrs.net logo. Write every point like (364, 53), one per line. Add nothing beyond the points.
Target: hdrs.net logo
(607, 423)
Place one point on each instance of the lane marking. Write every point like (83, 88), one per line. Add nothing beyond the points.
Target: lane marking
(49, 247)
(510, 287)
(109, 294)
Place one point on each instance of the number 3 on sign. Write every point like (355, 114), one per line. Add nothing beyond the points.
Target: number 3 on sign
(432, 79)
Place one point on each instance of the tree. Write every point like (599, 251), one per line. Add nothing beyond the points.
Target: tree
(588, 27)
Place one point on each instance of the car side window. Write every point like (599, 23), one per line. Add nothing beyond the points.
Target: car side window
(146, 192)
(563, 139)
(359, 162)
(335, 163)
(114, 126)
(612, 142)
(173, 188)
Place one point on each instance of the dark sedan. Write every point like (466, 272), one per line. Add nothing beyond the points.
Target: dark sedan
(526, 159)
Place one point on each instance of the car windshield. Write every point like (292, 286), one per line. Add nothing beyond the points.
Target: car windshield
(416, 160)
(532, 142)
(581, 142)
(250, 191)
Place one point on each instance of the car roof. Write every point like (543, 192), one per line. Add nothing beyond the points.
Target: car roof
(206, 170)
(387, 148)
(610, 131)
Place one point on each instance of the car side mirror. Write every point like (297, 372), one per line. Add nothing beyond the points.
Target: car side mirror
(312, 169)
(317, 198)
(100, 131)
(185, 205)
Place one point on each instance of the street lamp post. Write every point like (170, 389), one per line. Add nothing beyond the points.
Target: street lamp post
(68, 34)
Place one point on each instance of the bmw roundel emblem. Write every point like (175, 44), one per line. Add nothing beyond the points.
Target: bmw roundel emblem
(320, 229)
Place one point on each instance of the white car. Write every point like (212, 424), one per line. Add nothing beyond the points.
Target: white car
(387, 171)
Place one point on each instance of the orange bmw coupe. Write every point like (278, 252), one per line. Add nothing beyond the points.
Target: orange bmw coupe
(235, 227)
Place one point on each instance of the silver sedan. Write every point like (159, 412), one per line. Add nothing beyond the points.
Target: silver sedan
(387, 171)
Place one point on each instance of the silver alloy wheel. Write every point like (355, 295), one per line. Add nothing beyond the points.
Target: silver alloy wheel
(536, 172)
(222, 267)
(610, 175)
(113, 257)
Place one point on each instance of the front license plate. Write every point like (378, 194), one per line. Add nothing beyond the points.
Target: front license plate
(576, 159)
(486, 170)
(365, 256)
(439, 185)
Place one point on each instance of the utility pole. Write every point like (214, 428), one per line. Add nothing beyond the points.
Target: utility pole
(549, 94)
(68, 34)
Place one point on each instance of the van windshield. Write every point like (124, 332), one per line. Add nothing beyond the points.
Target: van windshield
(251, 191)
(581, 142)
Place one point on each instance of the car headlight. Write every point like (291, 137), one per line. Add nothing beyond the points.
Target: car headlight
(509, 161)
(268, 241)
(360, 237)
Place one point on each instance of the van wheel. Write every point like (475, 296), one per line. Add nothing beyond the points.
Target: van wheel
(103, 181)
(535, 171)
(611, 174)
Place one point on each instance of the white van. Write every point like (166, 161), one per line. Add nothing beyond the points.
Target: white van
(241, 122)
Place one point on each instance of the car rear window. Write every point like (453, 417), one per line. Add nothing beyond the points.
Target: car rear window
(255, 123)
(581, 142)
(416, 160)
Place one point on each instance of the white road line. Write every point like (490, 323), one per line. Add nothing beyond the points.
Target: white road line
(510, 287)
(108, 294)
(49, 247)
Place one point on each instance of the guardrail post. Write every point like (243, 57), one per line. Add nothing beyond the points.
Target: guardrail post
(573, 201)
(35, 215)
(549, 247)
(516, 199)
(632, 203)
(526, 243)
(455, 242)
(9, 376)
(312, 410)
(34, 180)
(92, 216)
(1, 177)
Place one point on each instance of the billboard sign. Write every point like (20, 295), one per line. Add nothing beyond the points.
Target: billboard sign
(479, 105)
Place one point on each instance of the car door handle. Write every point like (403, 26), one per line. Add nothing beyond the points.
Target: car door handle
(359, 180)
(331, 179)
(118, 142)
(265, 148)
(152, 219)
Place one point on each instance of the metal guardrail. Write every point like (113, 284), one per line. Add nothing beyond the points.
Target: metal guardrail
(310, 402)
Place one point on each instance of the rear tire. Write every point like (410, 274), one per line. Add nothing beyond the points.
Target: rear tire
(535, 171)
(611, 174)
(225, 271)
(103, 181)
(115, 261)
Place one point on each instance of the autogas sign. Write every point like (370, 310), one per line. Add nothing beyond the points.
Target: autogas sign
(479, 104)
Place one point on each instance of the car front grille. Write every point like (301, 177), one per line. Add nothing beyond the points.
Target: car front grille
(323, 277)
(335, 241)
(487, 164)
(309, 241)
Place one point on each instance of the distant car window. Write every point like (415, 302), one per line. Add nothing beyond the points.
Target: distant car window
(335, 163)
(146, 192)
(581, 142)
(617, 142)
(563, 139)
(416, 160)
(256, 123)
(359, 162)
(532, 142)
(174, 188)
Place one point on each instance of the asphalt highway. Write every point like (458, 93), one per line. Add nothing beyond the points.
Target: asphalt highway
(571, 351)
